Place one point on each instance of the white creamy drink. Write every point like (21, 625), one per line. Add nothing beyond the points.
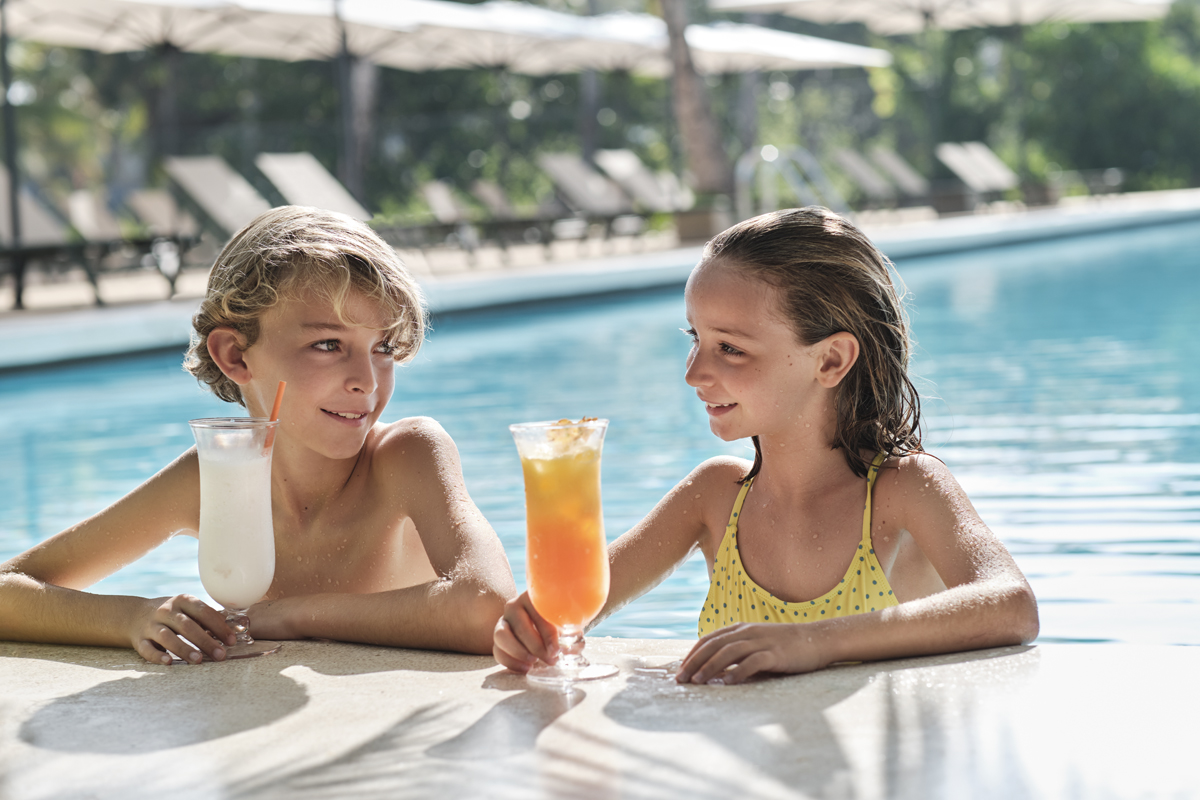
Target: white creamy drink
(237, 540)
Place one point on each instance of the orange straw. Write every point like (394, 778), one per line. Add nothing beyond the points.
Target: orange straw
(275, 414)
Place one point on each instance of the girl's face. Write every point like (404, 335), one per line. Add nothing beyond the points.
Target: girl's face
(754, 377)
(340, 373)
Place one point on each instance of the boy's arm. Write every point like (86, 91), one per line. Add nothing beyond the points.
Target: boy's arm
(639, 560)
(40, 597)
(420, 465)
(987, 602)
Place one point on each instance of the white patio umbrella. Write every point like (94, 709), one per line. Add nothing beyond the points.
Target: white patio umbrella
(723, 47)
(409, 34)
(894, 17)
(897, 17)
(532, 40)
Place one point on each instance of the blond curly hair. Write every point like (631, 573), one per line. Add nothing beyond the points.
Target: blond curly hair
(294, 249)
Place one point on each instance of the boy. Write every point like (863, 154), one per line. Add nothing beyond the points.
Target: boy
(376, 537)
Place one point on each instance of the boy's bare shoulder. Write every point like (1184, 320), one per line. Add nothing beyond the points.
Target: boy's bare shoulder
(413, 444)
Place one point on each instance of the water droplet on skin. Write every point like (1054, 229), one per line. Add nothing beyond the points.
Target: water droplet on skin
(697, 497)
(819, 549)
(815, 535)
(298, 559)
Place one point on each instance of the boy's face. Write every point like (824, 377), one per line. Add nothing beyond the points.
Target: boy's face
(340, 373)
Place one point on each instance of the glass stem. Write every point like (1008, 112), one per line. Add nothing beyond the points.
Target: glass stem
(570, 647)
(239, 623)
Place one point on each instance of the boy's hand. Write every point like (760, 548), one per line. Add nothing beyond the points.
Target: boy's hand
(169, 620)
(733, 654)
(277, 619)
(522, 636)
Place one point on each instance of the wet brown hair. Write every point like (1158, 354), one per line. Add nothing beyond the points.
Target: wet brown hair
(832, 279)
(294, 249)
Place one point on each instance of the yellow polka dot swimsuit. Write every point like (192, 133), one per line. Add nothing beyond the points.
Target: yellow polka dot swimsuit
(734, 597)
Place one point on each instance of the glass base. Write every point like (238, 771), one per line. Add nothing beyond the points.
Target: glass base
(571, 667)
(258, 647)
(246, 646)
(561, 678)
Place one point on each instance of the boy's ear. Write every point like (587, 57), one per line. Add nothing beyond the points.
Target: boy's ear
(227, 348)
(836, 354)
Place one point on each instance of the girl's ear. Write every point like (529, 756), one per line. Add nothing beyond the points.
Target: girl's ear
(227, 348)
(836, 354)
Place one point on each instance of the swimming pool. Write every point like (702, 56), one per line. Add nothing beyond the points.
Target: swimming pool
(1058, 380)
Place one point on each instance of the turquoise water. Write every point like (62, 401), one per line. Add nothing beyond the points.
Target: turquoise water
(1059, 380)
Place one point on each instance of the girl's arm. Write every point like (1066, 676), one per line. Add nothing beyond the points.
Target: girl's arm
(40, 597)
(639, 560)
(986, 603)
(417, 467)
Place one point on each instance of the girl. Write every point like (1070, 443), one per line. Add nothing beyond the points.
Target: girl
(841, 523)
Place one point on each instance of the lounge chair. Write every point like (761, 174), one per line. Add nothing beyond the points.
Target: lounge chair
(45, 240)
(910, 182)
(106, 247)
(873, 186)
(224, 201)
(977, 166)
(653, 193)
(304, 181)
(494, 199)
(446, 207)
(590, 195)
(158, 212)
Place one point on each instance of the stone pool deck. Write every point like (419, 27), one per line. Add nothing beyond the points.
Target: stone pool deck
(325, 720)
(50, 336)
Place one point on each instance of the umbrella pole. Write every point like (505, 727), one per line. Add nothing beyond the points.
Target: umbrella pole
(10, 161)
(933, 100)
(589, 101)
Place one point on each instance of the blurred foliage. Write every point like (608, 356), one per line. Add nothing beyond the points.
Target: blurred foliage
(1048, 98)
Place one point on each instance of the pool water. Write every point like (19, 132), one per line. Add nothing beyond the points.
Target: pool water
(1058, 380)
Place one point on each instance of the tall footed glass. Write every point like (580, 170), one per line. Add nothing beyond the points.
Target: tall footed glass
(567, 558)
(237, 538)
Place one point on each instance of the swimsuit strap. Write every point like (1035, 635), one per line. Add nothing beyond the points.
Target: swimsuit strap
(872, 474)
(737, 505)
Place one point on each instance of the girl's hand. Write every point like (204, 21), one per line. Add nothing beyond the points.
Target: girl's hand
(522, 636)
(169, 620)
(733, 654)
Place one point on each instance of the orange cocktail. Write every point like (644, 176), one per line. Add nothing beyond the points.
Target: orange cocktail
(567, 565)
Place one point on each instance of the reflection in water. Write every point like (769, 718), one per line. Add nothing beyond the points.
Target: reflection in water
(1059, 384)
